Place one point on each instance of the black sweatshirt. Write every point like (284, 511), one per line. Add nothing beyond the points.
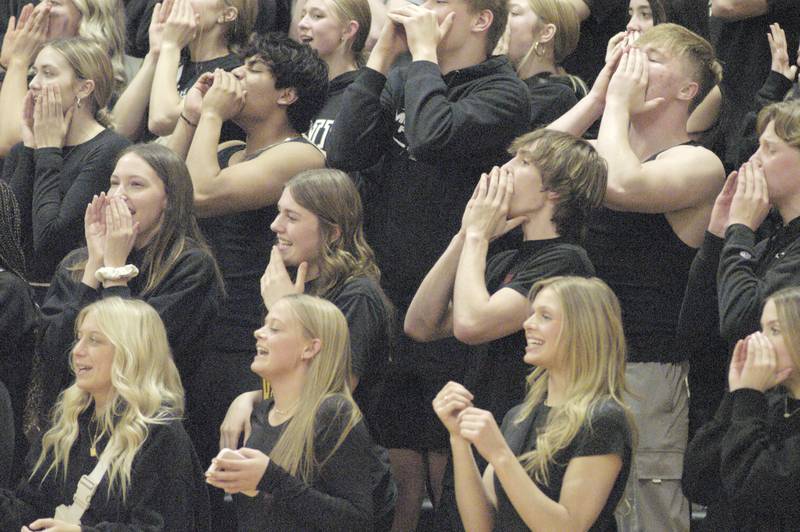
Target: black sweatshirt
(350, 492)
(321, 124)
(745, 463)
(187, 301)
(53, 186)
(166, 491)
(436, 135)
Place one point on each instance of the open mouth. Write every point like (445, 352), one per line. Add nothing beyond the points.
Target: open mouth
(283, 244)
(82, 370)
(305, 39)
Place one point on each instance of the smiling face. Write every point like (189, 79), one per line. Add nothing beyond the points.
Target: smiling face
(641, 16)
(780, 162)
(281, 345)
(92, 357)
(320, 28)
(143, 191)
(771, 327)
(65, 20)
(543, 331)
(297, 232)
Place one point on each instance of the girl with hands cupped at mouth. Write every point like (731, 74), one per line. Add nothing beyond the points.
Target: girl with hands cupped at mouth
(547, 469)
(744, 463)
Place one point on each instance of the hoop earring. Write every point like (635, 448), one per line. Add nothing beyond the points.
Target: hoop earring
(538, 49)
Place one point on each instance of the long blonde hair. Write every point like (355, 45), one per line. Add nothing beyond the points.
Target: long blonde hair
(327, 377)
(332, 197)
(359, 11)
(146, 390)
(592, 345)
(568, 27)
(787, 306)
(103, 21)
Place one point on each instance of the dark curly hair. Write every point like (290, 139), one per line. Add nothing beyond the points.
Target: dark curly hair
(297, 66)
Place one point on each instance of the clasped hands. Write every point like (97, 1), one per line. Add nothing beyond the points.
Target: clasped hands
(453, 406)
(219, 94)
(413, 28)
(238, 471)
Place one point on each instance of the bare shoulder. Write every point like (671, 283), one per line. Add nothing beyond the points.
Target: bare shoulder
(697, 160)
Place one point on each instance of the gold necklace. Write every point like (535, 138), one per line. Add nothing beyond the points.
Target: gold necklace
(285, 412)
(95, 440)
(786, 413)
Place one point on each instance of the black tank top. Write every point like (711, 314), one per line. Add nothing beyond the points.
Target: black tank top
(642, 259)
(241, 243)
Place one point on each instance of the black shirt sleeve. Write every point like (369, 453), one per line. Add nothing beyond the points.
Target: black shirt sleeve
(699, 316)
(758, 469)
(362, 129)
(366, 319)
(551, 262)
(346, 502)
(607, 432)
(439, 128)
(701, 480)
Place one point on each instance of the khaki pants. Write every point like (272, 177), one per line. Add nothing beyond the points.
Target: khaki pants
(659, 400)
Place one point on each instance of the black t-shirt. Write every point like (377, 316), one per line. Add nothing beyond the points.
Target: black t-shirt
(351, 490)
(53, 186)
(605, 431)
(323, 122)
(369, 319)
(496, 370)
(607, 18)
(551, 97)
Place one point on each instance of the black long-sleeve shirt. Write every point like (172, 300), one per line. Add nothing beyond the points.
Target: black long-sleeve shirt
(433, 136)
(350, 492)
(187, 301)
(53, 186)
(166, 492)
(745, 463)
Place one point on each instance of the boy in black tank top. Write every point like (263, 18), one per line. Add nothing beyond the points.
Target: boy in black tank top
(659, 198)
(272, 97)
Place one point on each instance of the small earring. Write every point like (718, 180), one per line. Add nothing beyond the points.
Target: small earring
(78, 102)
(538, 49)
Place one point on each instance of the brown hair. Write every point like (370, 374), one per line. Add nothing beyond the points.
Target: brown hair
(696, 53)
(787, 306)
(241, 27)
(499, 9)
(786, 116)
(572, 168)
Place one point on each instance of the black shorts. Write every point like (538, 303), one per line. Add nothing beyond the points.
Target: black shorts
(414, 377)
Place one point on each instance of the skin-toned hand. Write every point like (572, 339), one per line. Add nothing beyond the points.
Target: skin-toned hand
(193, 102)
(615, 42)
(759, 370)
(600, 87)
(28, 138)
(628, 86)
(276, 283)
(50, 123)
(25, 36)
(235, 475)
(94, 223)
(236, 422)
(50, 525)
(480, 429)
(181, 26)
(780, 52)
(423, 31)
(391, 41)
(121, 232)
(722, 207)
(225, 98)
(750, 204)
(486, 214)
(158, 22)
(448, 404)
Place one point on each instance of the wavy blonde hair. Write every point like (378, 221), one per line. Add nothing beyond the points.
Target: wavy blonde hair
(332, 197)
(786, 116)
(146, 390)
(103, 21)
(592, 345)
(327, 377)
(787, 306)
(358, 11)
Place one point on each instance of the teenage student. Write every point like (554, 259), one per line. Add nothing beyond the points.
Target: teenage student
(309, 463)
(123, 411)
(562, 457)
(661, 187)
(67, 151)
(319, 236)
(426, 131)
(743, 464)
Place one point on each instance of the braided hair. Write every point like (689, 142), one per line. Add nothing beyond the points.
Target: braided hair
(11, 255)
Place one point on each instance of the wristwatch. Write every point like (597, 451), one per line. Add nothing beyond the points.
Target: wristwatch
(107, 273)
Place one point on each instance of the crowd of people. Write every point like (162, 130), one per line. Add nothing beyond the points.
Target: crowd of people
(306, 265)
